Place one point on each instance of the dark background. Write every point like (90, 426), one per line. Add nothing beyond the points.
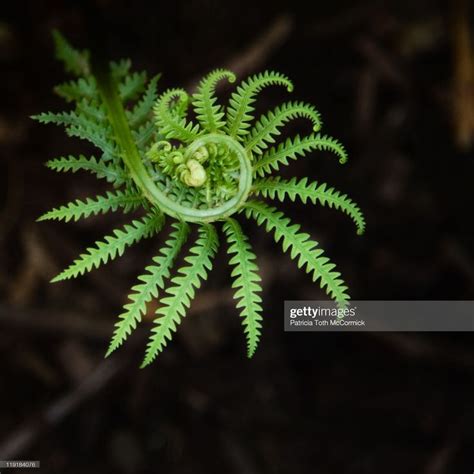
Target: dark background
(392, 83)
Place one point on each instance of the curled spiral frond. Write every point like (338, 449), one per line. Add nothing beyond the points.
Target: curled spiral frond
(240, 109)
(273, 158)
(196, 161)
(169, 123)
(208, 113)
(268, 125)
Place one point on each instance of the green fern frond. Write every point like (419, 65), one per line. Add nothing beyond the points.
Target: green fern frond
(144, 107)
(100, 205)
(76, 62)
(246, 281)
(60, 118)
(78, 125)
(190, 276)
(113, 246)
(171, 125)
(120, 69)
(143, 135)
(68, 120)
(197, 167)
(98, 136)
(151, 283)
(268, 125)
(111, 172)
(239, 111)
(83, 88)
(302, 249)
(132, 86)
(273, 158)
(315, 192)
(208, 113)
(92, 110)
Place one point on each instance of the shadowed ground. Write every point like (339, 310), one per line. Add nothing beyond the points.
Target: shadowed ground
(394, 84)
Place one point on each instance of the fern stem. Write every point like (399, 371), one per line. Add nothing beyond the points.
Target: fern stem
(145, 183)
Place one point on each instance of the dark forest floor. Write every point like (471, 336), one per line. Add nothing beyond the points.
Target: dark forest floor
(382, 76)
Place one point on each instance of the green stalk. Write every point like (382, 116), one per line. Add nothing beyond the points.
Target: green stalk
(138, 172)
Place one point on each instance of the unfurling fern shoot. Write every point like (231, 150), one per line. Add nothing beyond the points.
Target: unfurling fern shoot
(206, 173)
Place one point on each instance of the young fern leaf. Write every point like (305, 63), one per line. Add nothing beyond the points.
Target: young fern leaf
(111, 172)
(83, 88)
(151, 283)
(79, 125)
(239, 111)
(113, 246)
(180, 294)
(143, 109)
(120, 69)
(132, 86)
(99, 136)
(246, 282)
(82, 127)
(100, 205)
(144, 135)
(302, 249)
(315, 192)
(193, 171)
(268, 125)
(76, 62)
(171, 125)
(92, 110)
(208, 113)
(67, 119)
(273, 158)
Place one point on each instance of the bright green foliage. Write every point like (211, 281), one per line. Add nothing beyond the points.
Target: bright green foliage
(171, 125)
(246, 281)
(268, 125)
(205, 171)
(301, 247)
(292, 148)
(240, 110)
(100, 205)
(151, 282)
(113, 173)
(180, 294)
(208, 112)
(144, 108)
(314, 192)
(113, 246)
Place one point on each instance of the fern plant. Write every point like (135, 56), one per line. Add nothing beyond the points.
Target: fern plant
(200, 173)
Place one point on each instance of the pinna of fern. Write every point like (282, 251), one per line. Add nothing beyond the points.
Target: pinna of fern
(200, 173)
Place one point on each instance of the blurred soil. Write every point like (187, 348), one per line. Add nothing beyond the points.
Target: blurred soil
(394, 82)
